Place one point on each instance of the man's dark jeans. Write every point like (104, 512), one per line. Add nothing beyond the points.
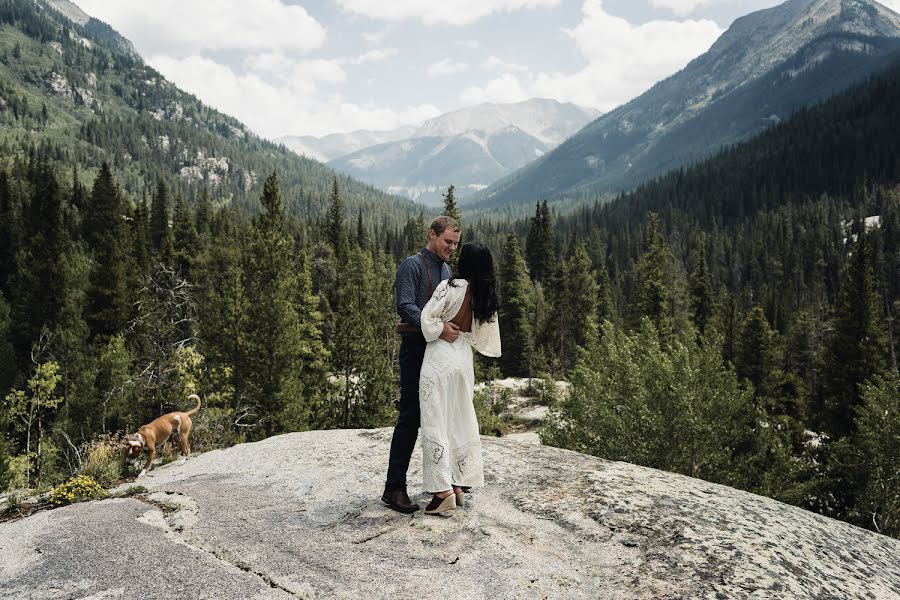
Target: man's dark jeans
(412, 351)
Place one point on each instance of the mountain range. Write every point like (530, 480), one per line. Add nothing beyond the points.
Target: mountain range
(765, 67)
(469, 148)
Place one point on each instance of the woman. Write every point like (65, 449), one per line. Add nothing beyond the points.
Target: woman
(450, 441)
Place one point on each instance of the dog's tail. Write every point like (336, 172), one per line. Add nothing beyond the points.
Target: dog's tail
(196, 408)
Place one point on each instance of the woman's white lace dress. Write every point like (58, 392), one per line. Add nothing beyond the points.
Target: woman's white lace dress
(451, 444)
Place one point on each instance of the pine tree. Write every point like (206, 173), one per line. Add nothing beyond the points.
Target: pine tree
(450, 207)
(221, 301)
(186, 240)
(7, 353)
(757, 352)
(105, 233)
(515, 312)
(876, 452)
(451, 210)
(857, 348)
(654, 294)
(572, 322)
(140, 237)
(360, 354)
(204, 215)
(160, 235)
(38, 284)
(314, 356)
(8, 227)
(539, 244)
(335, 230)
(702, 298)
(271, 343)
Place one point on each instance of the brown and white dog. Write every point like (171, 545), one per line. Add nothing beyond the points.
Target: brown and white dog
(155, 433)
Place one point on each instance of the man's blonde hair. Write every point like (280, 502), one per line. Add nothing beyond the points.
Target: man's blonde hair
(443, 223)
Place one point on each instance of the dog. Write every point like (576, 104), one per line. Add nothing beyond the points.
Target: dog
(155, 433)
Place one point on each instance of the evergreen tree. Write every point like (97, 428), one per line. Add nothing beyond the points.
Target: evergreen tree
(360, 354)
(857, 347)
(574, 289)
(314, 355)
(204, 214)
(38, 284)
(160, 235)
(335, 230)
(106, 236)
(186, 240)
(8, 226)
(7, 353)
(539, 245)
(876, 451)
(271, 343)
(606, 310)
(515, 313)
(757, 352)
(654, 294)
(450, 208)
(701, 287)
(140, 238)
(222, 302)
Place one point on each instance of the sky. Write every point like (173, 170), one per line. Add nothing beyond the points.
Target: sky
(314, 67)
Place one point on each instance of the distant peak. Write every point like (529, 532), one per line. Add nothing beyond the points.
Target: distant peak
(70, 11)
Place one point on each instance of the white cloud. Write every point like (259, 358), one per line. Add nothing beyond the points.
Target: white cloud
(446, 67)
(623, 61)
(433, 12)
(186, 27)
(470, 44)
(492, 63)
(681, 7)
(894, 5)
(505, 88)
(375, 37)
(375, 55)
(277, 109)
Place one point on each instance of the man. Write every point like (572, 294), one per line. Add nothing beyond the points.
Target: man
(417, 277)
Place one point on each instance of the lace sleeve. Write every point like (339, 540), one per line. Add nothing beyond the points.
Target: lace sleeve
(486, 337)
(433, 313)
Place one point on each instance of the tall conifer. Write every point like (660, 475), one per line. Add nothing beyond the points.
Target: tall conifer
(539, 244)
(515, 312)
(105, 233)
(160, 235)
(857, 348)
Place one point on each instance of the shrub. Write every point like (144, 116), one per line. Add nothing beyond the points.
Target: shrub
(103, 460)
(78, 489)
(215, 429)
(488, 406)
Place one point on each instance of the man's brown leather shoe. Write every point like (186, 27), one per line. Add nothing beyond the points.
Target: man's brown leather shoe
(399, 501)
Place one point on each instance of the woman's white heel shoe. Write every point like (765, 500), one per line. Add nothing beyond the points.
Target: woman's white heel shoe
(439, 505)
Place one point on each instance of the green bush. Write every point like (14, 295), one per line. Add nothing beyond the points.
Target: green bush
(77, 489)
(488, 406)
(104, 460)
(674, 406)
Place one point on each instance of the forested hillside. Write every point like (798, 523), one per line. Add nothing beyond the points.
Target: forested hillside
(76, 95)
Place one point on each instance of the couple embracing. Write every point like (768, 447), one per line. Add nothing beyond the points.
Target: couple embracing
(443, 316)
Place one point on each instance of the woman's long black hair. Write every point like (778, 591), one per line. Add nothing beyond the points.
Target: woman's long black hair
(477, 266)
